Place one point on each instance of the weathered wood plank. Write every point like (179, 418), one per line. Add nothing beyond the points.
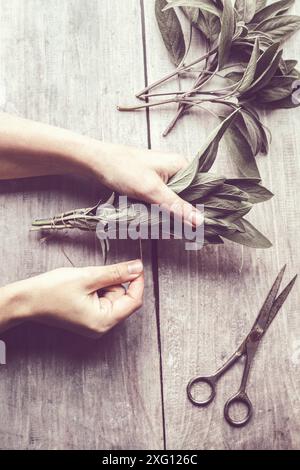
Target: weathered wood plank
(208, 300)
(68, 62)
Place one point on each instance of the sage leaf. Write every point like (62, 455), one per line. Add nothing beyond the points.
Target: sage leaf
(265, 59)
(244, 209)
(228, 25)
(202, 185)
(192, 14)
(268, 63)
(285, 103)
(241, 153)
(248, 128)
(228, 191)
(249, 73)
(171, 31)
(255, 191)
(260, 4)
(253, 131)
(290, 65)
(209, 25)
(272, 10)
(242, 180)
(204, 158)
(245, 9)
(205, 5)
(280, 28)
(213, 240)
(223, 205)
(271, 93)
(251, 237)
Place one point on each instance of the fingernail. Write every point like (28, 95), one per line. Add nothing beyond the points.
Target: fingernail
(135, 267)
(196, 218)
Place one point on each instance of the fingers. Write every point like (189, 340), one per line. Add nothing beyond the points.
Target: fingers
(113, 293)
(98, 277)
(124, 306)
(177, 206)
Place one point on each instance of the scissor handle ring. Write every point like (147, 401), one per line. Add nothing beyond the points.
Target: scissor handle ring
(240, 397)
(210, 381)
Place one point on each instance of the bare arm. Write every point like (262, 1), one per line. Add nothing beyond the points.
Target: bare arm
(29, 148)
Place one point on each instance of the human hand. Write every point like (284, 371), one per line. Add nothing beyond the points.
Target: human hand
(29, 148)
(142, 174)
(89, 301)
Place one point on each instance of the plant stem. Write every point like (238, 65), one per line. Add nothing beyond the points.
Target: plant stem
(182, 107)
(147, 105)
(176, 72)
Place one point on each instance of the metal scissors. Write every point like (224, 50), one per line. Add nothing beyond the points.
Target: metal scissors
(247, 349)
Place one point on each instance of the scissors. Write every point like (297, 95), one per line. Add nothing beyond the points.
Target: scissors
(247, 349)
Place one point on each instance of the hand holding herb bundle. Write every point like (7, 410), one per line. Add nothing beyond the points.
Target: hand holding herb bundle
(226, 201)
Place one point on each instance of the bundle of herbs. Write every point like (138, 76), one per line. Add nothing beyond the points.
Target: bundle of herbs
(243, 40)
(225, 201)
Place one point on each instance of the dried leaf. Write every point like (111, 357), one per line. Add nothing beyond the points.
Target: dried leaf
(272, 10)
(260, 4)
(213, 240)
(285, 103)
(267, 66)
(203, 160)
(241, 153)
(192, 14)
(290, 65)
(171, 31)
(253, 131)
(202, 185)
(255, 191)
(228, 26)
(249, 74)
(204, 5)
(245, 9)
(273, 93)
(280, 28)
(251, 237)
(228, 191)
(209, 25)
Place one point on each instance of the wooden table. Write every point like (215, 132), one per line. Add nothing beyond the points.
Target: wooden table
(69, 63)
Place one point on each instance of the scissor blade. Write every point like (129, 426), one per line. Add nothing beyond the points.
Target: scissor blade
(280, 301)
(263, 316)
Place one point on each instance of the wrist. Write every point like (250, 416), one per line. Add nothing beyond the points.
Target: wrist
(15, 304)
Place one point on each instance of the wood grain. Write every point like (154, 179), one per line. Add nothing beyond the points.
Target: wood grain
(208, 300)
(69, 63)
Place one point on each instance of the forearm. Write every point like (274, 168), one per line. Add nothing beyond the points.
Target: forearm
(15, 304)
(29, 148)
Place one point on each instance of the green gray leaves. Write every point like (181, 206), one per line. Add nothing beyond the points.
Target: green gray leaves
(204, 159)
(245, 10)
(226, 202)
(279, 28)
(244, 43)
(204, 5)
(228, 25)
(272, 10)
(171, 31)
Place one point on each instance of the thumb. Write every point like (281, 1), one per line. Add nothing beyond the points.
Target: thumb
(178, 206)
(98, 277)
